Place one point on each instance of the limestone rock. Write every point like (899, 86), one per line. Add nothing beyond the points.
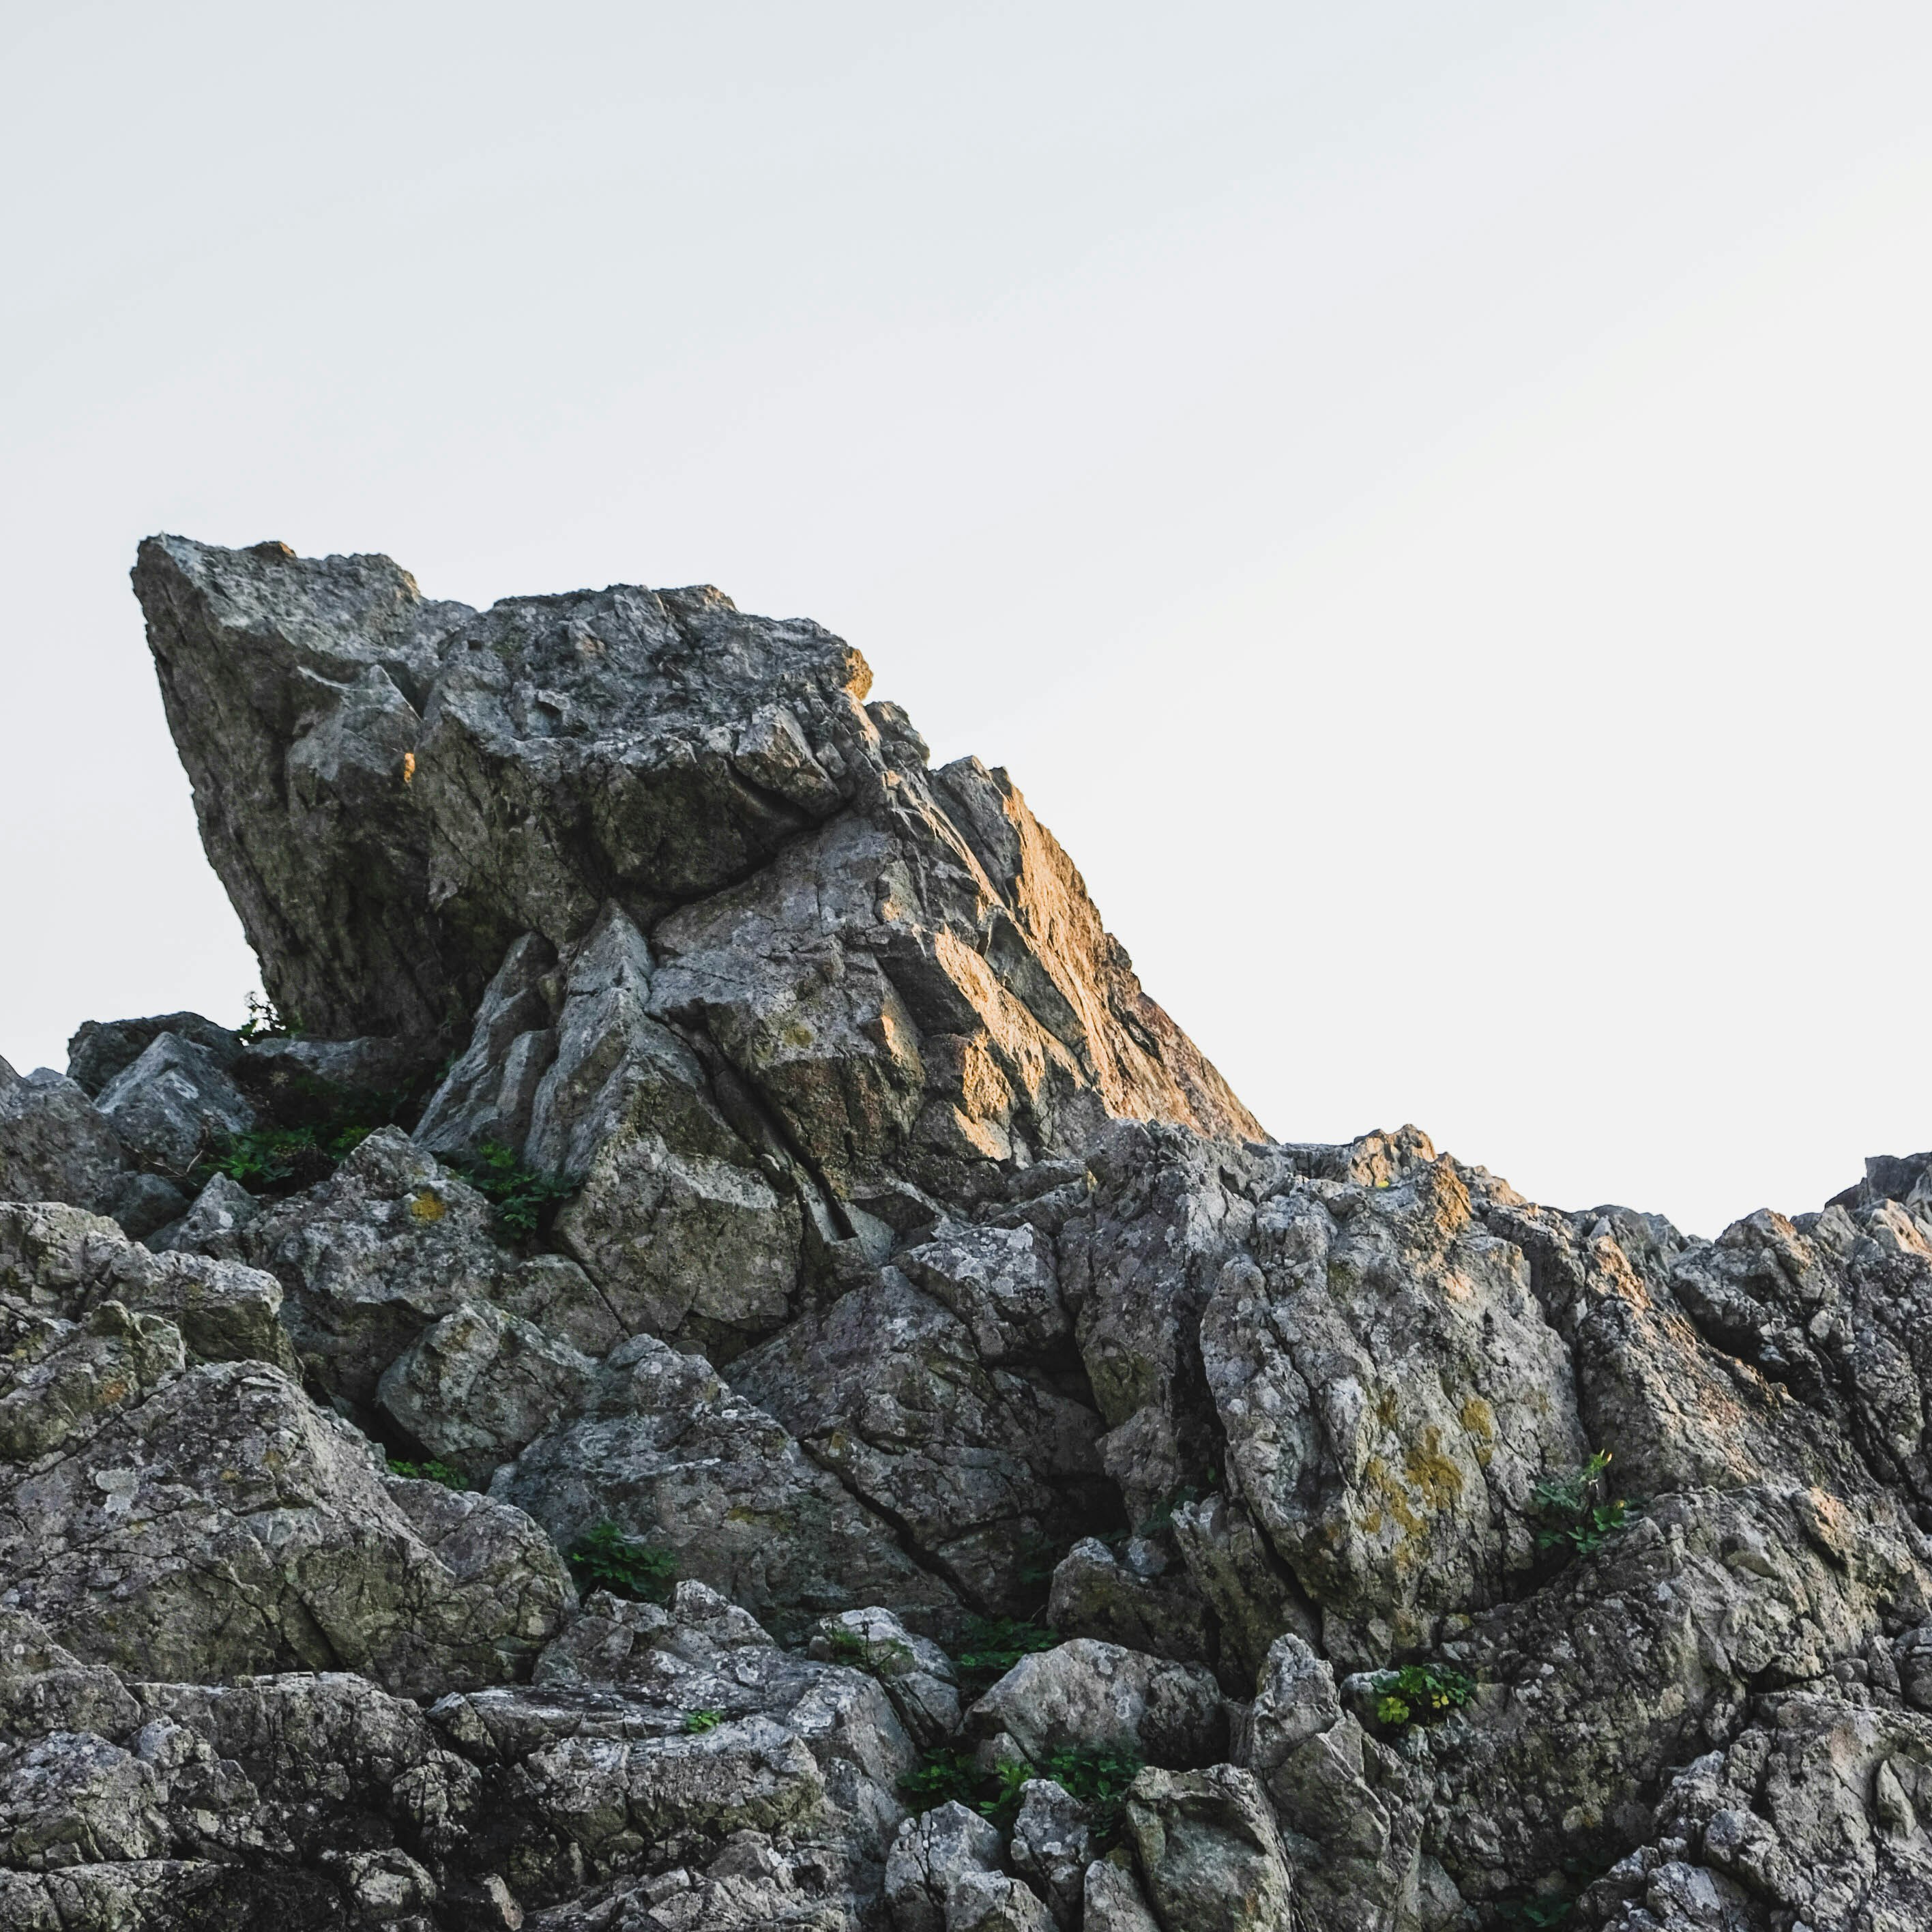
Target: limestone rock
(1351, 1809)
(55, 1143)
(1153, 1606)
(1391, 1394)
(992, 1902)
(918, 1676)
(1097, 1697)
(392, 1243)
(213, 1226)
(984, 1465)
(1814, 1815)
(474, 1387)
(221, 1524)
(1051, 1848)
(664, 1450)
(101, 1048)
(57, 1261)
(931, 1857)
(172, 1103)
(1208, 1852)
(394, 790)
(1112, 1902)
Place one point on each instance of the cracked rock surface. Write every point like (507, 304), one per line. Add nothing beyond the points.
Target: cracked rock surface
(725, 1367)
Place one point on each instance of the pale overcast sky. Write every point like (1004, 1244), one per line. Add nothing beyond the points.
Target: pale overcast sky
(1430, 500)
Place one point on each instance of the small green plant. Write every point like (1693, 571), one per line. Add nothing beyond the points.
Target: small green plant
(265, 1021)
(605, 1558)
(429, 1472)
(1000, 1792)
(1421, 1693)
(992, 1645)
(695, 1721)
(1098, 1779)
(523, 1198)
(262, 1158)
(945, 1775)
(1580, 1515)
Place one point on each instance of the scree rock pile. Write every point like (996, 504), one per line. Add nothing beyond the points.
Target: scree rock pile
(712, 1360)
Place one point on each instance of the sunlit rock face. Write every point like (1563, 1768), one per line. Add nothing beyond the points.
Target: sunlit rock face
(740, 1373)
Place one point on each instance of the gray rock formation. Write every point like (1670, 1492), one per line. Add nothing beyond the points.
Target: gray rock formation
(731, 1370)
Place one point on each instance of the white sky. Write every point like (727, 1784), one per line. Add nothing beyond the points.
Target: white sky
(1430, 500)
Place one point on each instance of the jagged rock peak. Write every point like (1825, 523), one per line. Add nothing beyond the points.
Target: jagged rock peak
(394, 790)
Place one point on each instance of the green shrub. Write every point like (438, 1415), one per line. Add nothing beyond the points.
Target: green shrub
(605, 1558)
(266, 1159)
(524, 1199)
(695, 1721)
(992, 1645)
(1098, 1779)
(945, 1775)
(430, 1472)
(1579, 1515)
(1420, 1693)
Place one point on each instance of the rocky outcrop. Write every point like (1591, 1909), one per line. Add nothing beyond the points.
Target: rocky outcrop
(725, 1367)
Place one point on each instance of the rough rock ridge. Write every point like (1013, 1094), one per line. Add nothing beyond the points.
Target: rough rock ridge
(722, 1365)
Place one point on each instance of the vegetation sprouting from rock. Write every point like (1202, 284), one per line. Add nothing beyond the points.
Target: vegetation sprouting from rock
(524, 1200)
(605, 1558)
(1579, 1514)
(1420, 1694)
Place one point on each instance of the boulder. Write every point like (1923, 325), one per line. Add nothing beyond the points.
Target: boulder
(487, 1095)
(215, 1522)
(918, 1676)
(55, 1143)
(388, 1246)
(1141, 1601)
(101, 1048)
(665, 1451)
(170, 1104)
(213, 1226)
(988, 1468)
(992, 1902)
(931, 1857)
(1351, 1810)
(1052, 1847)
(1391, 1394)
(57, 1261)
(1088, 1696)
(1112, 1902)
(1208, 1852)
(476, 1386)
